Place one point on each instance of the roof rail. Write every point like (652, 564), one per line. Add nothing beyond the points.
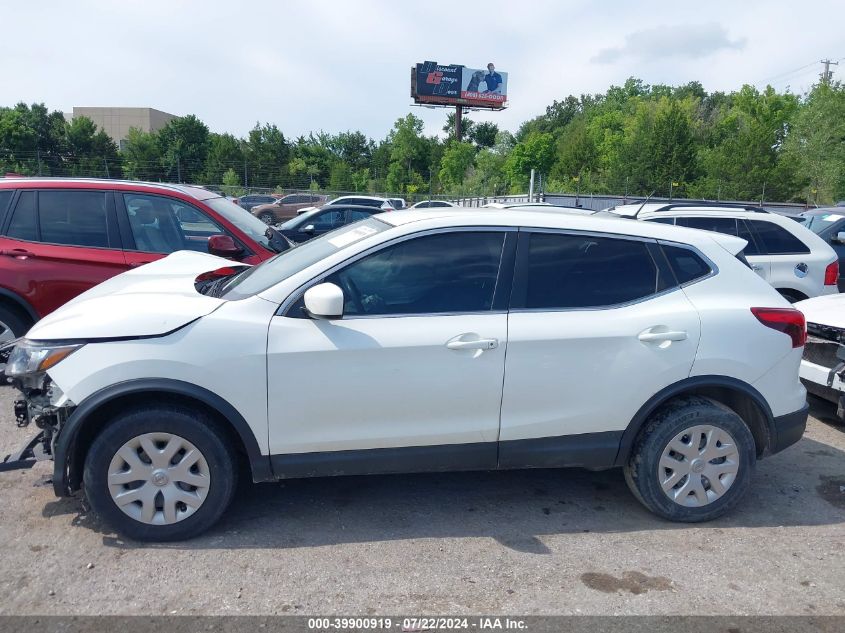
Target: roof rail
(713, 205)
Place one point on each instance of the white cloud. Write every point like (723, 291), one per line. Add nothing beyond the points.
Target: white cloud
(660, 42)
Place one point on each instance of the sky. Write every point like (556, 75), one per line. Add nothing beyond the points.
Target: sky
(337, 65)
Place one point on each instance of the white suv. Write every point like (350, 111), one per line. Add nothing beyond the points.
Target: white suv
(793, 259)
(418, 341)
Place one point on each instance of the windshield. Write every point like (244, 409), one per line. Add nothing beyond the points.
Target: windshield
(278, 268)
(241, 218)
(820, 223)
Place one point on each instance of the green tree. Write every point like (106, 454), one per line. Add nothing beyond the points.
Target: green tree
(142, 156)
(183, 144)
(409, 154)
(32, 140)
(90, 152)
(536, 151)
(232, 183)
(225, 153)
(816, 143)
(484, 134)
(457, 159)
(467, 127)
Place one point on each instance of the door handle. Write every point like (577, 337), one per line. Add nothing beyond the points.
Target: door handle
(137, 264)
(650, 336)
(756, 267)
(20, 253)
(481, 343)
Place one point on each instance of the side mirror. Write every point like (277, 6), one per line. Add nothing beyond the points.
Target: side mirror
(839, 237)
(324, 301)
(309, 228)
(223, 246)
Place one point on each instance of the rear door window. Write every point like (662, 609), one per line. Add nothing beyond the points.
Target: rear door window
(75, 218)
(776, 240)
(579, 271)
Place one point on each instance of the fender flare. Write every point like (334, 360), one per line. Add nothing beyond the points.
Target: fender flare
(67, 475)
(684, 386)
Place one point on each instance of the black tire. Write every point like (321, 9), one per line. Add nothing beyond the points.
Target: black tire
(268, 218)
(792, 296)
(192, 425)
(11, 319)
(642, 469)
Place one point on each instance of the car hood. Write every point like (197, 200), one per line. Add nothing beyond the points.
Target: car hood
(147, 301)
(824, 310)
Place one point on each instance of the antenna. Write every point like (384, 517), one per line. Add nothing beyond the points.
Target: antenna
(643, 204)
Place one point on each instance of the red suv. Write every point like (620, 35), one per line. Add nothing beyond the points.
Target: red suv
(59, 237)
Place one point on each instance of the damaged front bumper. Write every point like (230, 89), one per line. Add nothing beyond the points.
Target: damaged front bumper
(44, 405)
(35, 450)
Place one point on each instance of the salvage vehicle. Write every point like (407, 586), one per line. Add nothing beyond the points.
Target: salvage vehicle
(823, 365)
(451, 340)
(792, 258)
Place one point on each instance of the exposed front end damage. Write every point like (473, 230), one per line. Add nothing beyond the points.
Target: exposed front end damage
(43, 404)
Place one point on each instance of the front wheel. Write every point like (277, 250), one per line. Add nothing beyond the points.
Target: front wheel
(693, 461)
(160, 473)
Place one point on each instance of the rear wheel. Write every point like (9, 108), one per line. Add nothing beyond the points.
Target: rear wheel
(267, 218)
(693, 461)
(160, 473)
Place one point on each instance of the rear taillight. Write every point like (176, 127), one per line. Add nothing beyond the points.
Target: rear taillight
(387, 209)
(787, 320)
(831, 274)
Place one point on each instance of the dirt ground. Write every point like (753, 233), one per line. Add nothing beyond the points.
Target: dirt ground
(525, 542)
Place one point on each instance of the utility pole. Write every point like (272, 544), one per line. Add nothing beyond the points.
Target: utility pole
(827, 75)
(459, 112)
(106, 163)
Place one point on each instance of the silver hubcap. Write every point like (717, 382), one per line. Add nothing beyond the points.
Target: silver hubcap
(158, 478)
(267, 219)
(6, 333)
(698, 466)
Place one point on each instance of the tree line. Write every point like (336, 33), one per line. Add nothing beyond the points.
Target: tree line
(634, 139)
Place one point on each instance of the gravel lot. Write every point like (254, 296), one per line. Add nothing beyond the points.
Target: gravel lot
(528, 542)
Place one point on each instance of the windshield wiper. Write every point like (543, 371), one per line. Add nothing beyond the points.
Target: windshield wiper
(214, 287)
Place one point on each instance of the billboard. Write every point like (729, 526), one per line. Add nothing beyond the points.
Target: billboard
(455, 84)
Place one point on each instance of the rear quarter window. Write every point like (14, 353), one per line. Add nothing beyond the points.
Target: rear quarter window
(686, 263)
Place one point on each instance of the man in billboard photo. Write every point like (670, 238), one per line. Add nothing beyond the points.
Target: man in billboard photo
(493, 79)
